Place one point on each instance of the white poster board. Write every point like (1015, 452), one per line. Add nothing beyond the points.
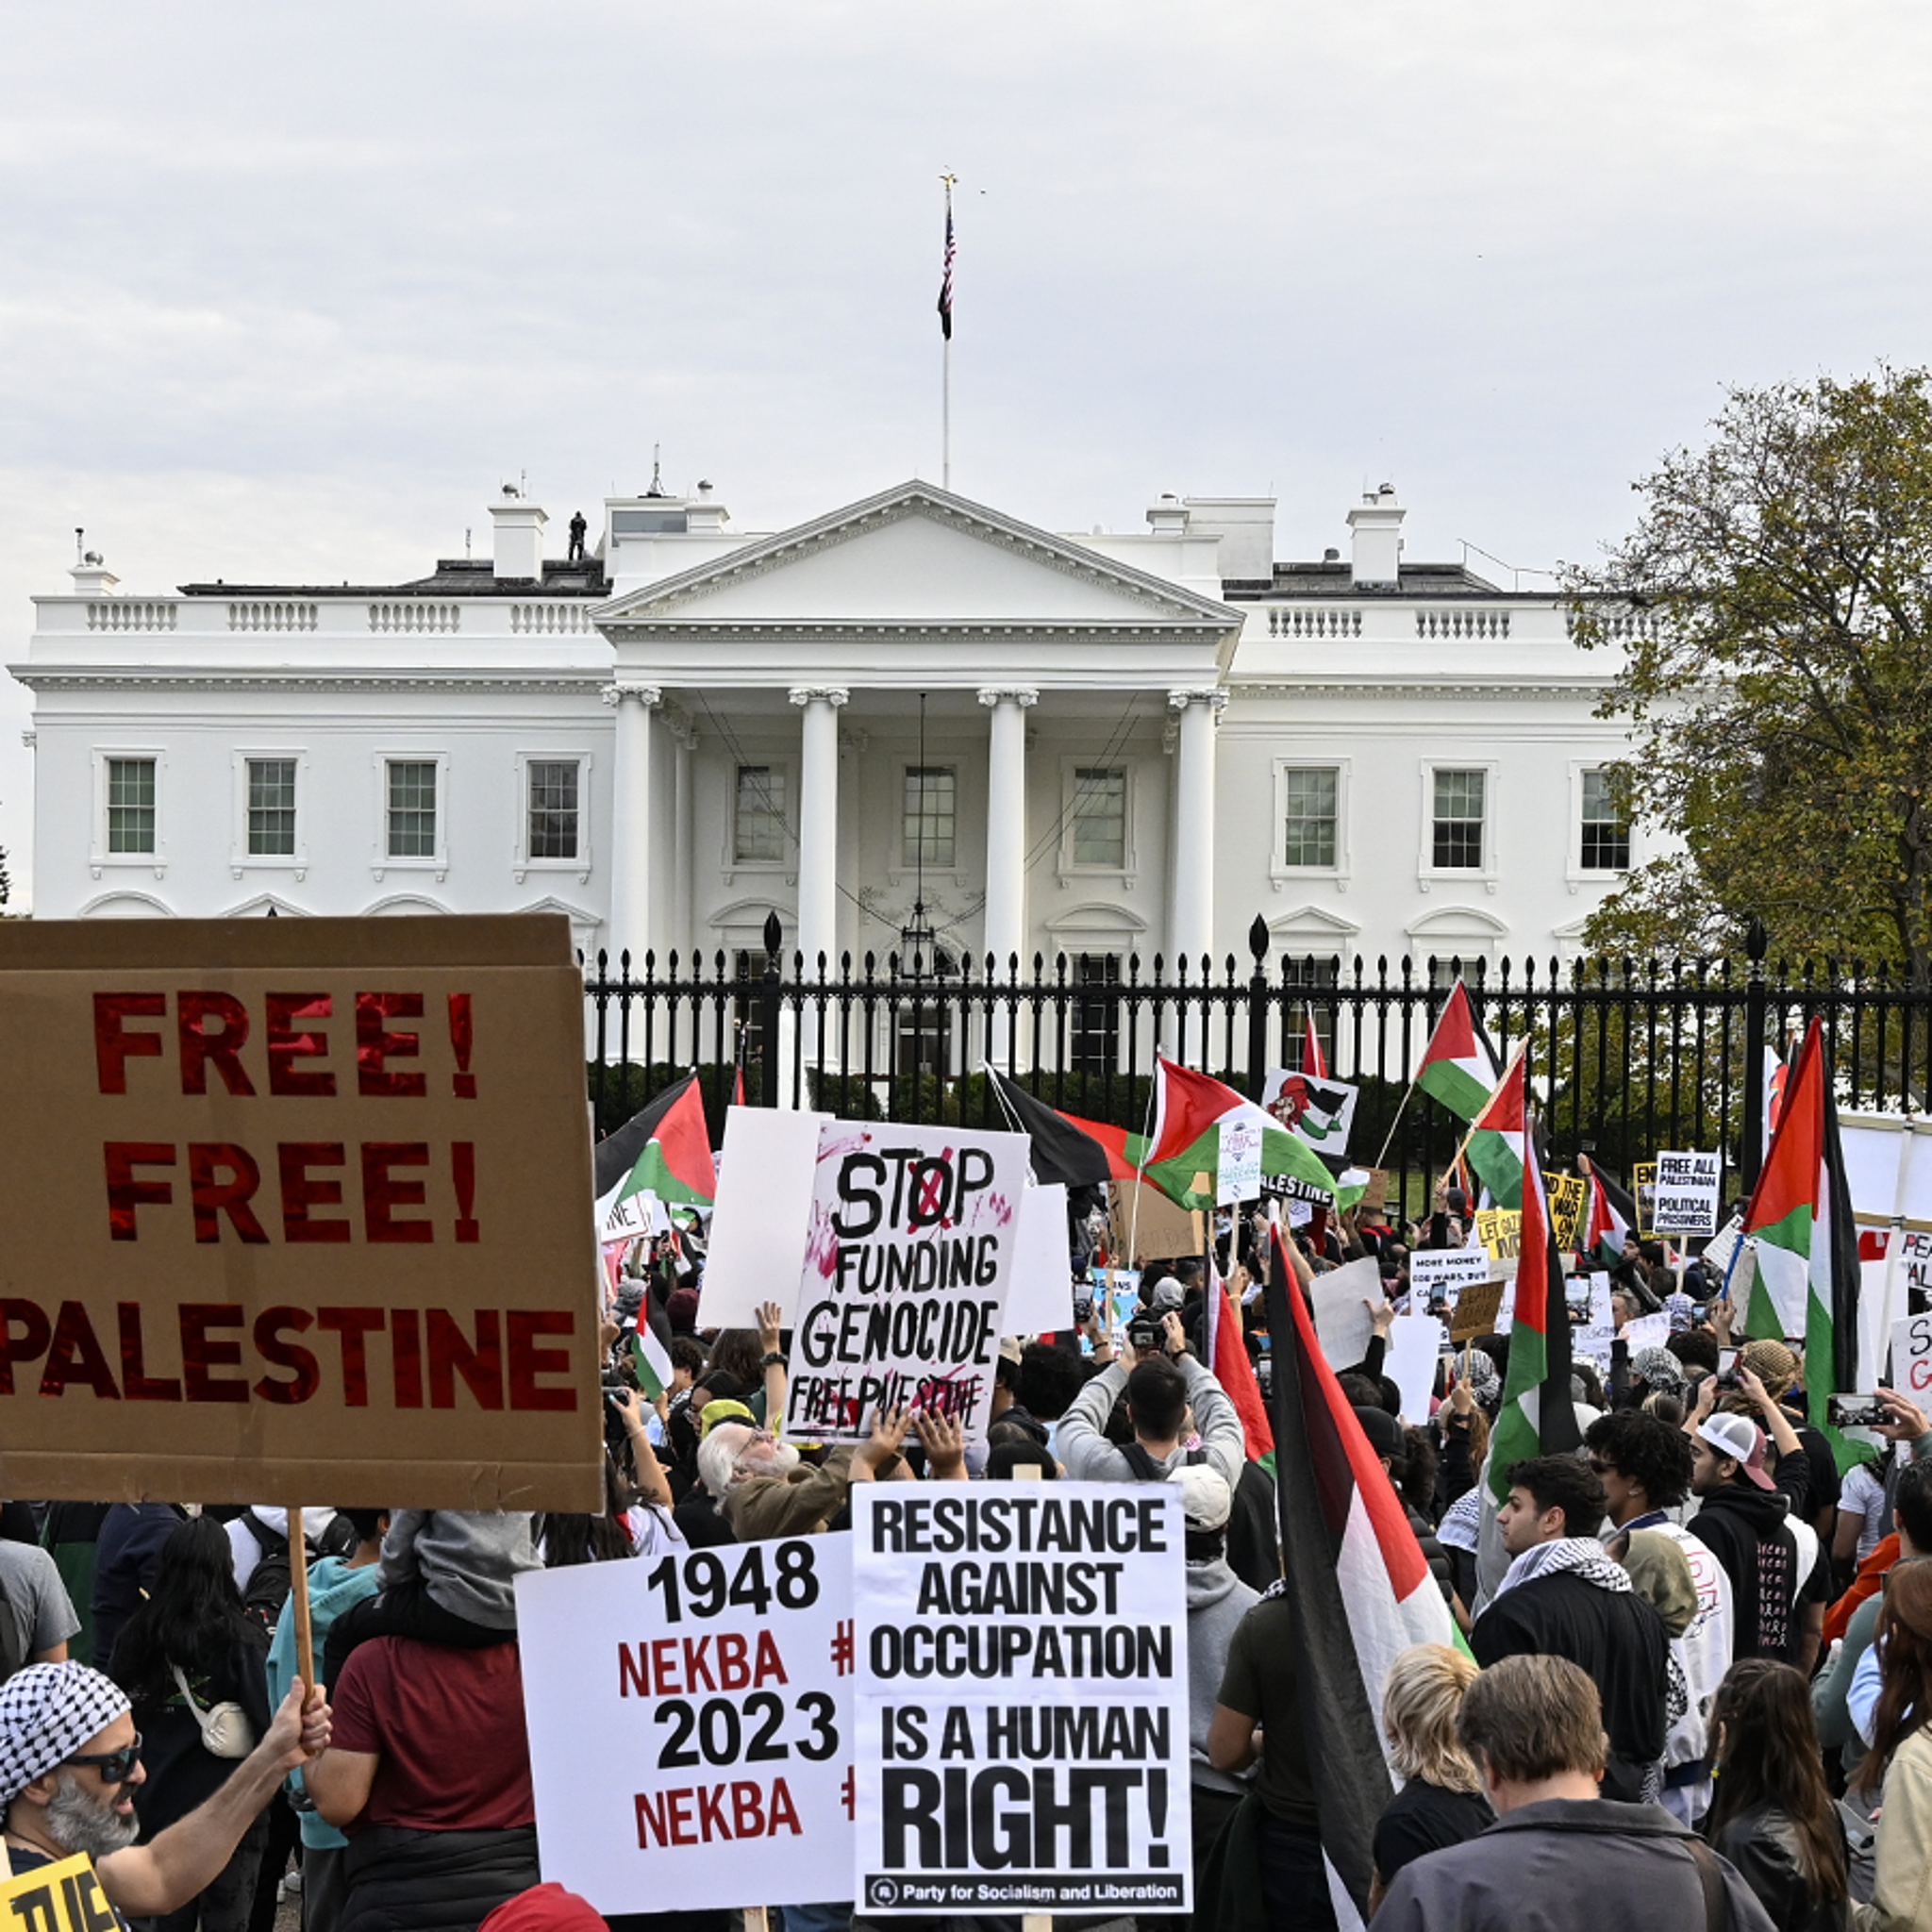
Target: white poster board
(1595, 1336)
(913, 1237)
(690, 1724)
(757, 1250)
(1237, 1164)
(1448, 1271)
(1344, 1301)
(1416, 1344)
(1911, 1359)
(1686, 1197)
(1021, 1710)
(1040, 1300)
(1318, 1112)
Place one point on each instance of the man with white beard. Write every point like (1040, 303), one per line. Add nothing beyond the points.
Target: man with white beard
(69, 1759)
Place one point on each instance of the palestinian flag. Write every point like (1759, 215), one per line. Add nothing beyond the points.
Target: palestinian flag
(1808, 1277)
(1460, 1068)
(1190, 1109)
(650, 1348)
(1314, 1061)
(1611, 1216)
(1227, 1356)
(1538, 1416)
(1355, 1581)
(1498, 1136)
(665, 1152)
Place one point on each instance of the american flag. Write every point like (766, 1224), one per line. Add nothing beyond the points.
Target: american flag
(946, 278)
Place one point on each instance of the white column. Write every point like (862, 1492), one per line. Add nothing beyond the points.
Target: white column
(817, 825)
(1006, 823)
(1190, 864)
(630, 821)
(683, 847)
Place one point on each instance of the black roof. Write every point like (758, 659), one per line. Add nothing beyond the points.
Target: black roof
(1335, 579)
(454, 577)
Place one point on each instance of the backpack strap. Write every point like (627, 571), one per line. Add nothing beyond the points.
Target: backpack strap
(1717, 1898)
(268, 1542)
(1144, 1467)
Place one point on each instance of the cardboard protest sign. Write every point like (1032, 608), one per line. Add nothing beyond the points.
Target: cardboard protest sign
(1915, 1268)
(1647, 1331)
(1687, 1189)
(1567, 1193)
(297, 1209)
(1500, 1230)
(913, 1240)
(64, 1896)
(1444, 1272)
(1912, 1358)
(1144, 1225)
(1479, 1311)
(717, 1687)
(1316, 1109)
(1022, 1707)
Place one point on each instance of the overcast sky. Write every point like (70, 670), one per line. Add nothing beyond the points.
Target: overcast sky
(287, 294)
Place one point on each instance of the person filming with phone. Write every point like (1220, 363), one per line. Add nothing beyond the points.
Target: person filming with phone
(1162, 1384)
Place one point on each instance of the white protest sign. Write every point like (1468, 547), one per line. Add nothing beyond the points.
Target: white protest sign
(1343, 1301)
(1912, 1358)
(1415, 1345)
(1040, 1300)
(1647, 1331)
(757, 1250)
(1596, 1335)
(1446, 1271)
(1915, 1266)
(1686, 1197)
(1722, 1246)
(1300, 1213)
(690, 1724)
(914, 1236)
(1315, 1109)
(1238, 1169)
(1022, 1705)
(633, 1216)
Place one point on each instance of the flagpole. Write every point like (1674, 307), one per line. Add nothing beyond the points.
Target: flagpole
(946, 352)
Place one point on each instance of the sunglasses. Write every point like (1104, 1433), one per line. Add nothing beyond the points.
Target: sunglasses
(115, 1767)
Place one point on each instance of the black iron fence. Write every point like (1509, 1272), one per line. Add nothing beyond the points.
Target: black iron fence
(1626, 1056)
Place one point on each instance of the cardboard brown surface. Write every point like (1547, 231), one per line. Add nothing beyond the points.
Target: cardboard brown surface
(1475, 1311)
(253, 1252)
(1161, 1231)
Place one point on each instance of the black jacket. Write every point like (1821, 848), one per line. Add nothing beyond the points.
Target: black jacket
(401, 1880)
(1745, 1527)
(1762, 1844)
(1614, 1637)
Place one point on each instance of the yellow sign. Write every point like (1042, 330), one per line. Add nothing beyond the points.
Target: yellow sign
(1500, 1230)
(1567, 1193)
(1643, 1185)
(63, 1897)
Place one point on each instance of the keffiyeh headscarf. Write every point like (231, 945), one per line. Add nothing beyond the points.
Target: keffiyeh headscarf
(1659, 1369)
(1484, 1382)
(1583, 1556)
(47, 1712)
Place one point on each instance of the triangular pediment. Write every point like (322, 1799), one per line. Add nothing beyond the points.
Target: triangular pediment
(919, 556)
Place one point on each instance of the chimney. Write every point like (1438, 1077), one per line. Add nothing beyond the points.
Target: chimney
(1169, 517)
(1376, 528)
(92, 576)
(518, 542)
(704, 513)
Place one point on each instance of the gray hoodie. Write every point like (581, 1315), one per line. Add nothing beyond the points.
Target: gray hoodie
(468, 1559)
(1217, 1601)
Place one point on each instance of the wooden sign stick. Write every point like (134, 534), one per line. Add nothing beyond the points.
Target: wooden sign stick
(1029, 1922)
(298, 1594)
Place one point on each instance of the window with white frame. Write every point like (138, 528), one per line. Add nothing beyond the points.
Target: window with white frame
(1606, 832)
(130, 806)
(1097, 816)
(553, 801)
(271, 808)
(929, 816)
(1457, 821)
(1311, 809)
(1095, 1014)
(411, 807)
(757, 828)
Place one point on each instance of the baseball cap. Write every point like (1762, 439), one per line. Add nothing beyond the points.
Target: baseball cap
(1207, 1501)
(1739, 1437)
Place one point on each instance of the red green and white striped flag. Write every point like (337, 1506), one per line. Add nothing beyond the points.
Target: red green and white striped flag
(1498, 1139)
(1190, 1111)
(1356, 1580)
(1807, 1280)
(664, 1151)
(1458, 1066)
(1539, 1415)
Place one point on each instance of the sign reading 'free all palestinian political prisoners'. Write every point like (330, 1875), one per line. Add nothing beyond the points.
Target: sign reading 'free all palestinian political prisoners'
(1022, 1706)
(716, 1684)
(296, 1209)
(913, 1237)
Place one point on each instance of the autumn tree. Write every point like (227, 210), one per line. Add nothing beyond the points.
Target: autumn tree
(1773, 615)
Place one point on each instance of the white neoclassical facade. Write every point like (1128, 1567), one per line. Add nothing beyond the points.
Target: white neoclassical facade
(1097, 745)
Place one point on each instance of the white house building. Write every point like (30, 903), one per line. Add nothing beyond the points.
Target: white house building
(1097, 745)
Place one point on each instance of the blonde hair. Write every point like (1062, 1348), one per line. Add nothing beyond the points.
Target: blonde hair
(1422, 1699)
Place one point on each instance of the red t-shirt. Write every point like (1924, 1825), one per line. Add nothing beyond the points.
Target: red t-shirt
(448, 1725)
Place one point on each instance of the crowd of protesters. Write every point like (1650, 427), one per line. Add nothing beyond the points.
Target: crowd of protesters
(1696, 1671)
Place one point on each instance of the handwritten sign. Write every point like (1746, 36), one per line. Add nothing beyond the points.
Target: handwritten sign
(1500, 1230)
(1442, 1274)
(281, 1196)
(1912, 1358)
(1567, 1194)
(1687, 1189)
